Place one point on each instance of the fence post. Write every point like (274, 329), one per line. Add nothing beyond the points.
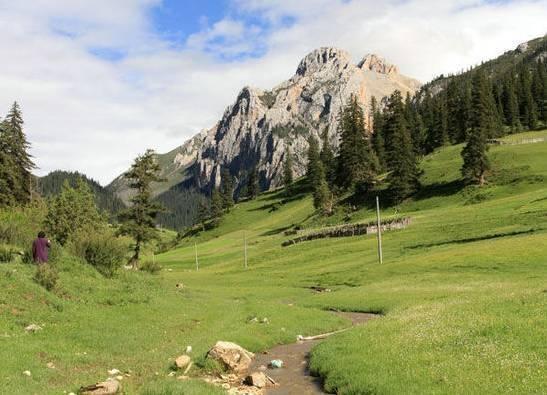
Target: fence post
(379, 233)
(245, 247)
(196, 251)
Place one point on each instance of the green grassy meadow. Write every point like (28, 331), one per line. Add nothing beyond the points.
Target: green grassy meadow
(463, 293)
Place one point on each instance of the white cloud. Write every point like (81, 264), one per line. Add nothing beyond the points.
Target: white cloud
(93, 115)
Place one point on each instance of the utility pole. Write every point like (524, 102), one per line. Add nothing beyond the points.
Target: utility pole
(245, 247)
(196, 251)
(379, 234)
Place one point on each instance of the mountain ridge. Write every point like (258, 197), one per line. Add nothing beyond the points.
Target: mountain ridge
(255, 130)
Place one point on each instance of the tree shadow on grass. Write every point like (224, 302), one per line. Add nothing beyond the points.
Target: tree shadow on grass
(276, 231)
(439, 189)
(473, 239)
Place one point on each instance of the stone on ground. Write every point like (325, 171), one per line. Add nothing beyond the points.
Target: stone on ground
(33, 328)
(231, 355)
(257, 379)
(108, 387)
(182, 361)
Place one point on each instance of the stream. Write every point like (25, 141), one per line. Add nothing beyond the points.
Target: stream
(294, 377)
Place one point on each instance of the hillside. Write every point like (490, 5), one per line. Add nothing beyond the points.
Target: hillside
(51, 185)
(461, 290)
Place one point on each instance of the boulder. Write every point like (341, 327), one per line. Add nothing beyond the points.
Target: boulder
(231, 355)
(257, 379)
(182, 361)
(108, 387)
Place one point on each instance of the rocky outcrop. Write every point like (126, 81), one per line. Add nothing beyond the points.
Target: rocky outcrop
(257, 128)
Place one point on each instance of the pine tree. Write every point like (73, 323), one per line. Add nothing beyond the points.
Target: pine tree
(16, 146)
(327, 158)
(539, 87)
(253, 188)
(357, 163)
(323, 199)
(377, 139)
(402, 166)
(474, 154)
(315, 171)
(217, 207)
(528, 110)
(288, 178)
(226, 189)
(204, 213)
(8, 179)
(510, 103)
(138, 221)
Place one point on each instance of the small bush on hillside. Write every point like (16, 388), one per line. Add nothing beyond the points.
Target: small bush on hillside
(46, 275)
(151, 267)
(19, 226)
(103, 251)
(6, 254)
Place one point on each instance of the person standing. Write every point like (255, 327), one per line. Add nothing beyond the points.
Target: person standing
(40, 248)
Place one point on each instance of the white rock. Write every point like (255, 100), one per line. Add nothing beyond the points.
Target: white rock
(33, 328)
(182, 361)
(27, 373)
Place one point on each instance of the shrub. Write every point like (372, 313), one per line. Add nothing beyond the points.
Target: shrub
(20, 225)
(46, 275)
(151, 267)
(103, 251)
(6, 254)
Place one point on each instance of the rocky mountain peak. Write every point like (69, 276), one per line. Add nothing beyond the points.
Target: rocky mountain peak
(323, 58)
(260, 125)
(377, 64)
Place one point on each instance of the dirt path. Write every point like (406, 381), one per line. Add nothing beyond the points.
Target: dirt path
(294, 378)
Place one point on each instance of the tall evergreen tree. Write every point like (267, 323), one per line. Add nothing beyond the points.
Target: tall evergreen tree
(539, 87)
(288, 178)
(357, 163)
(226, 189)
(253, 188)
(327, 158)
(204, 213)
(377, 139)
(217, 206)
(474, 154)
(510, 103)
(528, 110)
(402, 166)
(8, 178)
(139, 220)
(16, 146)
(314, 171)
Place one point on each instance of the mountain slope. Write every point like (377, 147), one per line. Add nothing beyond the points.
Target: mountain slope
(51, 185)
(255, 130)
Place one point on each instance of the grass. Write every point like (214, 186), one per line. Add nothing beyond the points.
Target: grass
(463, 291)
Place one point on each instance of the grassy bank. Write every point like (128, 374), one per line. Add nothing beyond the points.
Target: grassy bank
(463, 290)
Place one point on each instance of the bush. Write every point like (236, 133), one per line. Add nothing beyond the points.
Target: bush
(151, 267)
(6, 254)
(20, 225)
(46, 275)
(103, 251)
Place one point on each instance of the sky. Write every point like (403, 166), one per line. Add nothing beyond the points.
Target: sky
(100, 81)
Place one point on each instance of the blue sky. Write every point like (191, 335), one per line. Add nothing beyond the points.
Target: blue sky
(175, 20)
(136, 74)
